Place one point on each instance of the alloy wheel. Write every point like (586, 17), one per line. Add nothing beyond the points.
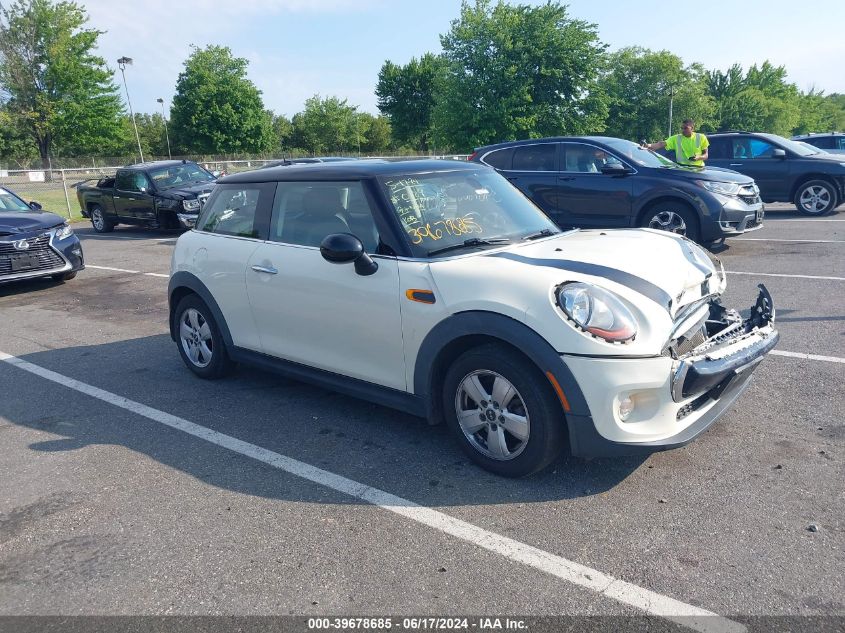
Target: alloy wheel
(195, 336)
(97, 219)
(492, 415)
(815, 199)
(668, 221)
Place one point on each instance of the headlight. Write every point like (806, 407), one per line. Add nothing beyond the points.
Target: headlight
(191, 205)
(725, 188)
(63, 232)
(597, 311)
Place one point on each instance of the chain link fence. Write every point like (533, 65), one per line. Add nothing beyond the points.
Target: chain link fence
(55, 188)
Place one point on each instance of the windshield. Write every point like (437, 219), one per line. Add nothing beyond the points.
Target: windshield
(449, 209)
(10, 202)
(638, 155)
(173, 175)
(792, 146)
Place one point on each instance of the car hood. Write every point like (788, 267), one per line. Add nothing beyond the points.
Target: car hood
(664, 269)
(716, 174)
(187, 192)
(15, 222)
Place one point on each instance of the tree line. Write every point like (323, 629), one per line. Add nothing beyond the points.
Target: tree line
(505, 72)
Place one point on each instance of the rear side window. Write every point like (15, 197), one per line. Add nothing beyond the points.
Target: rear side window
(304, 213)
(823, 142)
(232, 211)
(841, 141)
(131, 181)
(499, 159)
(539, 157)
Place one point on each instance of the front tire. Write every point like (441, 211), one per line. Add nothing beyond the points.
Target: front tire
(99, 221)
(674, 217)
(522, 430)
(815, 198)
(199, 340)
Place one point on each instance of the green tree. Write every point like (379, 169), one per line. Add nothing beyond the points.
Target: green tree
(216, 108)
(639, 84)
(376, 133)
(15, 145)
(517, 72)
(282, 132)
(326, 125)
(760, 101)
(406, 95)
(56, 89)
(818, 113)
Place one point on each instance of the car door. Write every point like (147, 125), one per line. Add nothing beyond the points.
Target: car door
(325, 315)
(231, 227)
(124, 190)
(586, 196)
(754, 156)
(533, 170)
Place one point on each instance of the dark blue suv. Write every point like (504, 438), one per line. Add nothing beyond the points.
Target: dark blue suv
(604, 182)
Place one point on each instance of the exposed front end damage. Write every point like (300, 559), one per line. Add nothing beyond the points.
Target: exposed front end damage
(720, 346)
(672, 398)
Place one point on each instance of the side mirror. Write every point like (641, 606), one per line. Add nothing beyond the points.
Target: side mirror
(345, 248)
(35, 206)
(617, 169)
(778, 153)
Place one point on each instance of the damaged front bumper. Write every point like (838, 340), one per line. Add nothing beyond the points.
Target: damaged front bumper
(678, 395)
(734, 346)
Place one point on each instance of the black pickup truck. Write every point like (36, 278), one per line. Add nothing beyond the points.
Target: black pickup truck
(161, 194)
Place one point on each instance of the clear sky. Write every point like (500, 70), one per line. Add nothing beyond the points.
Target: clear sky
(299, 48)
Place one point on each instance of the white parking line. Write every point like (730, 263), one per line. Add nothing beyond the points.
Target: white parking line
(771, 239)
(124, 270)
(770, 218)
(826, 359)
(736, 272)
(648, 601)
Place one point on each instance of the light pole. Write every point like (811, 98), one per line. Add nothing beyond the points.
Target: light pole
(166, 134)
(671, 103)
(123, 62)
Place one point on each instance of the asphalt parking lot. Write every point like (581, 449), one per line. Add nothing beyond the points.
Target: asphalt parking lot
(121, 494)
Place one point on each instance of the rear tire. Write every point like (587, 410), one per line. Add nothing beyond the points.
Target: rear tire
(674, 217)
(816, 198)
(199, 340)
(523, 429)
(99, 221)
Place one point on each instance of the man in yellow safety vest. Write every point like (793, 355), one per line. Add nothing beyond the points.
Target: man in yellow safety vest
(690, 147)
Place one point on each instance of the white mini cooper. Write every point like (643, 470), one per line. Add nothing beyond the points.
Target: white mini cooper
(437, 288)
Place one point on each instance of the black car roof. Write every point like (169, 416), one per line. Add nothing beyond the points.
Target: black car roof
(349, 170)
(549, 139)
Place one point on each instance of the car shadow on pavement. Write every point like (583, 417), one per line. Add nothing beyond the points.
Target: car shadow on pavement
(368, 443)
(29, 286)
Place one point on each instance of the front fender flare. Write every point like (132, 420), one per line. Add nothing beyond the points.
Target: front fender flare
(504, 328)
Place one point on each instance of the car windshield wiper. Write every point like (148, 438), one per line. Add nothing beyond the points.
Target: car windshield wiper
(539, 234)
(473, 241)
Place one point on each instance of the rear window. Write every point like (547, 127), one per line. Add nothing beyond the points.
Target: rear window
(499, 159)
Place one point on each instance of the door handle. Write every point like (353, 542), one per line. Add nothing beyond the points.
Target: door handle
(736, 164)
(566, 177)
(115, 197)
(265, 269)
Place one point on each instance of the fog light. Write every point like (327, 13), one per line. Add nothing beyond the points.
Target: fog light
(626, 408)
